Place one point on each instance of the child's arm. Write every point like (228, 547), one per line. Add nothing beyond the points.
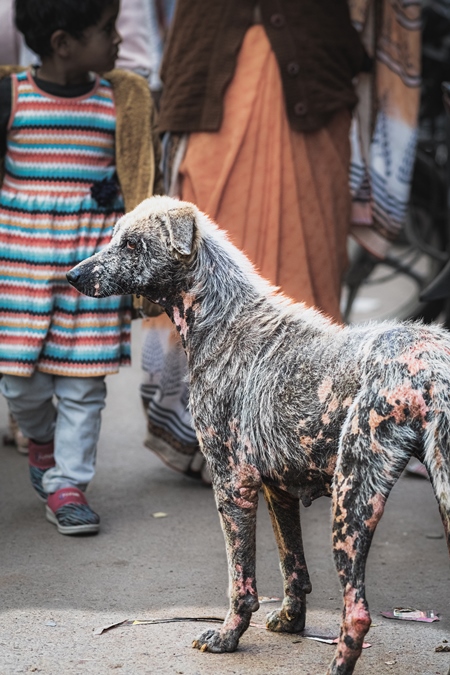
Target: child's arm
(5, 112)
(158, 185)
(5, 109)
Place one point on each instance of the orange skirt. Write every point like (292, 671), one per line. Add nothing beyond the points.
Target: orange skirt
(282, 196)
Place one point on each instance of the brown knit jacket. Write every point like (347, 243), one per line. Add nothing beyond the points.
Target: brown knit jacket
(137, 142)
(317, 49)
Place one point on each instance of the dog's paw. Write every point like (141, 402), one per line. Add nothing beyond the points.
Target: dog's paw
(214, 641)
(286, 621)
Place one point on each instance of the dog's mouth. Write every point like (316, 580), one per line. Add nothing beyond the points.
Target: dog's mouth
(90, 278)
(86, 279)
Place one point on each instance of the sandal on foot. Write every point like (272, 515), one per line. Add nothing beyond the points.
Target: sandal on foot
(68, 509)
(181, 457)
(15, 437)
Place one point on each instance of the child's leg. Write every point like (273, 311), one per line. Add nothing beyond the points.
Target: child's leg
(80, 402)
(30, 401)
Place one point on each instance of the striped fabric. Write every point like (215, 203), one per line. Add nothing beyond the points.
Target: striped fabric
(384, 129)
(56, 149)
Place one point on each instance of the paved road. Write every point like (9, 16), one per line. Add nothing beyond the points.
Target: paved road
(56, 590)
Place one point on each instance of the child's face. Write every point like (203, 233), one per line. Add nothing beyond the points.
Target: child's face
(98, 48)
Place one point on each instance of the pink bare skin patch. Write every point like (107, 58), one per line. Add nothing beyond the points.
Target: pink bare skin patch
(406, 401)
(244, 584)
(377, 502)
(324, 390)
(356, 622)
(355, 429)
(180, 322)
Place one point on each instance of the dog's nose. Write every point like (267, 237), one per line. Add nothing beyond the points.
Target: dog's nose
(73, 276)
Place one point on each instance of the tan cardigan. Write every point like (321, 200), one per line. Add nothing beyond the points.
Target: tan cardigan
(138, 150)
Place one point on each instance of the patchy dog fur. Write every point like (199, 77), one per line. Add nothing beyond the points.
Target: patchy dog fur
(285, 400)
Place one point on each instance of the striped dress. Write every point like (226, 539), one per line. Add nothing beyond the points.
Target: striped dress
(57, 149)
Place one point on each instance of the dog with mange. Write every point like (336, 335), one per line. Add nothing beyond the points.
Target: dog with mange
(285, 401)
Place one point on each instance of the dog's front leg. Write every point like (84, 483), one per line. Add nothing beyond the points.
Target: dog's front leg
(285, 515)
(237, 500)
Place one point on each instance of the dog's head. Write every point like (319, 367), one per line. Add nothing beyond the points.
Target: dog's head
(148, 255)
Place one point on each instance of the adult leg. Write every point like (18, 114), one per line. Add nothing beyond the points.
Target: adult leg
(165, 394)
(285, 515)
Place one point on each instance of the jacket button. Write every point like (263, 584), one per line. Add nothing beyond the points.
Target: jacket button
(277, 20)
(300, 109)
(293, 68)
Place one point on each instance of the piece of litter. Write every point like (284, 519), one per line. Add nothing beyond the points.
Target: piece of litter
(442, 648)
(103, 629)
(434, 535)
(411, 614)
(264, 599)
(332, 641)
(159, 514)
(326, 639)
(50, 623)
(149, 622)
(390, 663)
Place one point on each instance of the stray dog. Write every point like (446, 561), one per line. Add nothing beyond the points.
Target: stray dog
(284, 400)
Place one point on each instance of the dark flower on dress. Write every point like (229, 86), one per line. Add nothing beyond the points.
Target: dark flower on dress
(105, 191)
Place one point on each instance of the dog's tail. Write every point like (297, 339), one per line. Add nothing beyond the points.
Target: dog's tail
(437, 451)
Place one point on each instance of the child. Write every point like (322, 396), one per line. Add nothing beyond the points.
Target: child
(79, 149)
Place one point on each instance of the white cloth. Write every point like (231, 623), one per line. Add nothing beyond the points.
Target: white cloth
(134, 26)
(9, 36)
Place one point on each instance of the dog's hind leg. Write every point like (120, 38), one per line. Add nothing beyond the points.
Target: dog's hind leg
(437, 462)
(237, 500)
(369, 464)
(285, 515)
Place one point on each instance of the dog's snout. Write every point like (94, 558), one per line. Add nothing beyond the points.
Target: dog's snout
(73, 276)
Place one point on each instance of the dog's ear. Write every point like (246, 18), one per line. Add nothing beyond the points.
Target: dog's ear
(181, 224)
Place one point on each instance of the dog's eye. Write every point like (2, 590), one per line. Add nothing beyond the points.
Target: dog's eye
(131, 245)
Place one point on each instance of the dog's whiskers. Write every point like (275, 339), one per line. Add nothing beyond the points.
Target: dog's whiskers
(115, 288)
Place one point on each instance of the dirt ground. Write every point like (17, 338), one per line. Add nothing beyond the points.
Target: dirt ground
(56, 590)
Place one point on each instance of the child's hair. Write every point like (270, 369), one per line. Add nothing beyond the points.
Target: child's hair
(39, 19)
